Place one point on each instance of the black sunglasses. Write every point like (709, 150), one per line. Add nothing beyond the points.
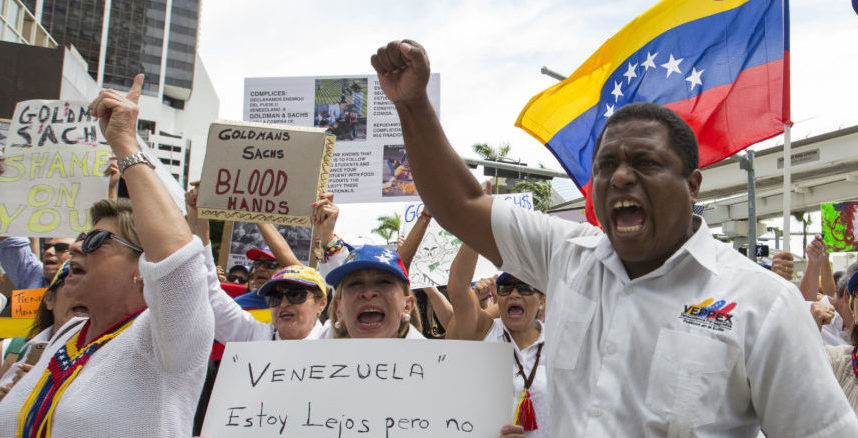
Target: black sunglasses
(295, 295)
(240, 279)
(95, 238)
(523, 289)
(58, 247)
(270, 264)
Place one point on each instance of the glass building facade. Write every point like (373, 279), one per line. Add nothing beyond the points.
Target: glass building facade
(135, 39)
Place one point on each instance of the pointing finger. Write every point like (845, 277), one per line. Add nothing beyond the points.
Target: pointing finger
(136, 88)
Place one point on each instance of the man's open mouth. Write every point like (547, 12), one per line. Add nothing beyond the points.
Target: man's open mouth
(628, 216)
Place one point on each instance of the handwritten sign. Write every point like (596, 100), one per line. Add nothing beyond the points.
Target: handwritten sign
(4, 132)
(840, 225)
(361, 388)
(431, 263)
(54, 169)
(255, 172)
(25, 302)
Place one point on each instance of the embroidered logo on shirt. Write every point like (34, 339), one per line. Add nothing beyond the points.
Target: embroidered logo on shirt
(709, 314)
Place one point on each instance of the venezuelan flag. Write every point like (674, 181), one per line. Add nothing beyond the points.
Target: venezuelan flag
(723, 66)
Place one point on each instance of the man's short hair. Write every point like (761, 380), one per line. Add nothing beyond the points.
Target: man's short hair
(844, 279)
(682, 138)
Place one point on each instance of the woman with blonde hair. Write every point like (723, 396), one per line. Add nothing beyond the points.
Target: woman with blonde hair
(372, 297)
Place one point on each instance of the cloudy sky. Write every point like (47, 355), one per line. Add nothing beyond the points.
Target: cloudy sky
(489, 54)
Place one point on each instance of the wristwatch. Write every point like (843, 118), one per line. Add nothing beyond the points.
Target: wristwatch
(133, 159)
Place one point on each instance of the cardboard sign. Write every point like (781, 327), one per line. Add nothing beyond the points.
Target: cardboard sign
(255, 172)
(55, 162)
(25, 302)
(350, 388)
(4, 132)
(431, 263)
(369, 163)
(840, 226)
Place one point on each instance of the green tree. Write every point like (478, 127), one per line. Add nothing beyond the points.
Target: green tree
(387, 227)
(540, 189)
(490, 153)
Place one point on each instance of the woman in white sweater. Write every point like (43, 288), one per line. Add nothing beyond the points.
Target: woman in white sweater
(136, 366)
(519, 305)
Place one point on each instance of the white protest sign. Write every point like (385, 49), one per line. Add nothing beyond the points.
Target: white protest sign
(347, 388)
(431, 263)
(257, 172)
(55, 159)
(369, 162)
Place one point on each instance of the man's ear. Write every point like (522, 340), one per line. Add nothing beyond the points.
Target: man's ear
(694, 179)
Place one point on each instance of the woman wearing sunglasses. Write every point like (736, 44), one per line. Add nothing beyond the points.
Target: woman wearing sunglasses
(296, 298)
(518, 305)
(135, 367)
(372, 297)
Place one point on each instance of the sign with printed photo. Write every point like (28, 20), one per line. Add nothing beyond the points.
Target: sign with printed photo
(257, 172)
(361, 388)
(431, 263)
(840, 226)
(369, 162)
(245, 236)
(55, 157)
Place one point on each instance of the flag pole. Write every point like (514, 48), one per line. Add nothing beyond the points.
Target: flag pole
(787, 185)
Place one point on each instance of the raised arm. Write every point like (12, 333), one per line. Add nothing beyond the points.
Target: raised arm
(159, 223)
(278, 245)
(444, 182)
(469, 321)
(409, 247)
(440, 304)
(809, 285)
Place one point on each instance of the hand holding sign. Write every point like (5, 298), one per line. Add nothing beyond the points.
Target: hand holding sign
(117, 117)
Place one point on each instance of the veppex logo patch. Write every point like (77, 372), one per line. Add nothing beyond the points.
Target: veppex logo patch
(709, 314)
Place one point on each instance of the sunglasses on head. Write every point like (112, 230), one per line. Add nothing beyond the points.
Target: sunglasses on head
(93, 240)
(58, 247)
(240, 279)
(523, 289)
(269, 264)
(295, 295)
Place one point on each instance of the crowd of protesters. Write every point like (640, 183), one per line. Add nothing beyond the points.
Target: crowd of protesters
(645, 327)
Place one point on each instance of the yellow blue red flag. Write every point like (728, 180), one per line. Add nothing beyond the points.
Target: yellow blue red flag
(722, 65)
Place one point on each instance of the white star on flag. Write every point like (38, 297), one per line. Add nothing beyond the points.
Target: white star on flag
(672, 65)
(695, 78)
(630, 73)
(385, 257)
(617, 91)
(650, 61)
(610, 110)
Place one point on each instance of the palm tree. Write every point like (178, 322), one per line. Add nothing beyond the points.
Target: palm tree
(490, 153)
(387, 226)
(540, 189)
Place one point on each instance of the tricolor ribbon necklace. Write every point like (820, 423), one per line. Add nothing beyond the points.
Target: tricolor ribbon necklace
(525, 416)
(36, 414)
(855, 361)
